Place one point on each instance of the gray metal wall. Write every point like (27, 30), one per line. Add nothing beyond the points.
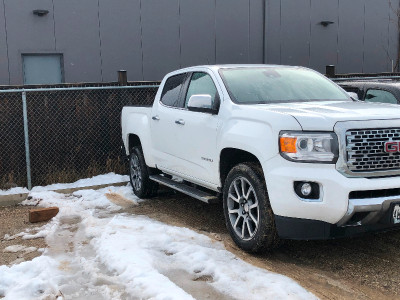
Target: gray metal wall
(151, 37)
(363, 38)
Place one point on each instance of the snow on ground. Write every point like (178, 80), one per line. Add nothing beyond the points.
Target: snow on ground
(19, 248)
(96, 251)
(96, 180)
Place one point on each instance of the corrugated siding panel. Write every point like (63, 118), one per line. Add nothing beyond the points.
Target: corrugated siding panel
(351, 36)
(161, 45)
(273, 32)
(120, 38)
(295, 32)
(393, 34)
(324, 40)
(77, 36)
(197, 32)
(376, 36)
(4, 75)
(256, 31)
(232, 31)
(27, 33)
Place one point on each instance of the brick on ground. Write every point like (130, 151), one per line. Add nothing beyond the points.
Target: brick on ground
(42, 214)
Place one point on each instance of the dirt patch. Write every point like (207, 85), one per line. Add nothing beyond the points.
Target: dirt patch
(353, 268)
(120, 200)
(198, 287)
(13, 220)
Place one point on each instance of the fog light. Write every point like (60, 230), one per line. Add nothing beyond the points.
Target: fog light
(306, 189)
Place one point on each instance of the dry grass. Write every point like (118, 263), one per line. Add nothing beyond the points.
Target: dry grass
(8, 181)
(50, 174)
(70, 175)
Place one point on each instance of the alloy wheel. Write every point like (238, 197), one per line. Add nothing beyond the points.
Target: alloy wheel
(243, 208)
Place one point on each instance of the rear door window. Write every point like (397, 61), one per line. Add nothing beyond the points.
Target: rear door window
(380, 96)
(171, 94)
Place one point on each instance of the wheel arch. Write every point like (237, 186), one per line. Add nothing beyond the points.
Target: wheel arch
(230, 157)
(133, 141)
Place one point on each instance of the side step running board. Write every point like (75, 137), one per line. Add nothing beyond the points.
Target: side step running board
(185, 189)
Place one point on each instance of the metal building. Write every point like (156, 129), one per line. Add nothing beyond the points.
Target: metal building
(51, 41)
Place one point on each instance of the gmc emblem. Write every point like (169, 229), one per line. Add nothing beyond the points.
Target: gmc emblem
(392, 147)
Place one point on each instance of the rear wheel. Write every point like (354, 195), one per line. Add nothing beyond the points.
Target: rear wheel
(248, 214)
(142, 186)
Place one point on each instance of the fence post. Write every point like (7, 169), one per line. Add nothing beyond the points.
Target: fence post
(330, 71)
(122, 77)
(26, 132)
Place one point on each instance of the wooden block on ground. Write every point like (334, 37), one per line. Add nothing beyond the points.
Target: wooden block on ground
(42, 214)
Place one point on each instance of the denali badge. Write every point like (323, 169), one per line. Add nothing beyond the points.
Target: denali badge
(391, 147)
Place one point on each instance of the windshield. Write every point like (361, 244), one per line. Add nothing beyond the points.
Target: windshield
(279, 84)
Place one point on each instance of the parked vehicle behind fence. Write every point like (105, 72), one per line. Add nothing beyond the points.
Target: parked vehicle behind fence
(290, 154)
(374, 90)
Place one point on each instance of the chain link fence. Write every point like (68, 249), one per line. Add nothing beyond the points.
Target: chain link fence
(69, 132)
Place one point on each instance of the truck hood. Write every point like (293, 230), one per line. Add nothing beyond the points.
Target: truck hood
(323, 115)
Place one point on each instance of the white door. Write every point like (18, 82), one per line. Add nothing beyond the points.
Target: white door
(197, 134)
(163, 126)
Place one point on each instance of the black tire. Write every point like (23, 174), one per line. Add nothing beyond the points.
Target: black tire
(142, 186)
(249, 218)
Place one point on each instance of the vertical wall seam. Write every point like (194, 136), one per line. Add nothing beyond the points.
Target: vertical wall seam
(389, 62)
(248, 40)
(337, 33)
(179, 33)
(54, 27)
(398, 37)
(280, 32)
(363, 61)
(309, 36)
(264, 31)
(141, 36)
(8, 56)
(101, 54)
(396, 47)
(215, 30)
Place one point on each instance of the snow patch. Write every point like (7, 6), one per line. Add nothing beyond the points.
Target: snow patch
(109, 178)
(19, 248)
(96, 251)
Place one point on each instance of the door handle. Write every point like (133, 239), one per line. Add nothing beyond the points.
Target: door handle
(180, 122)
(156, 118)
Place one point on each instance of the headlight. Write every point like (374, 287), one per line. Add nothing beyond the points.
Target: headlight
(305, 146)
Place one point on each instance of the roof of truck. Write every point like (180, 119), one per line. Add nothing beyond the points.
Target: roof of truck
(229, 66)
(239, 66)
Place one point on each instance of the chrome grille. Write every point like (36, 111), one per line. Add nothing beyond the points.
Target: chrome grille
(366, 150)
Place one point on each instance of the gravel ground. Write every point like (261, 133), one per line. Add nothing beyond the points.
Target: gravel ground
(14, 219)
(353, 268)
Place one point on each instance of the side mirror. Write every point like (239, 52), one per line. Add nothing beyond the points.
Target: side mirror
(201, 103)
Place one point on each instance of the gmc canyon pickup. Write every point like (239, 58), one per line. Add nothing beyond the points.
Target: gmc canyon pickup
(290, 154)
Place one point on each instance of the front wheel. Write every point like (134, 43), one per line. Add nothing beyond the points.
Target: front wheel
(248, 213)
(142, 186)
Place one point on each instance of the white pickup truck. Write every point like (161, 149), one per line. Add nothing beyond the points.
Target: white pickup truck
(290, 154)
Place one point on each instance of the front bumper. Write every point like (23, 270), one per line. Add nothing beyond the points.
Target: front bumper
(335, 207)
(304, 229)
(368, 210)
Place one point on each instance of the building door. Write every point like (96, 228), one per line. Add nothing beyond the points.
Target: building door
(42, 68)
